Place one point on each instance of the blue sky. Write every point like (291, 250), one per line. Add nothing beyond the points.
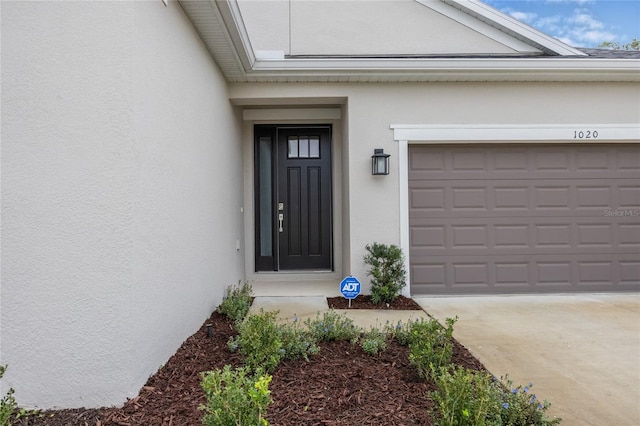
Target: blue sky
(579, 23)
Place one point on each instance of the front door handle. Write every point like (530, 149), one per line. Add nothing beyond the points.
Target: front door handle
(280, 221)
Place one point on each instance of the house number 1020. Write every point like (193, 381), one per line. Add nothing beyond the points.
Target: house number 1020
(585, 134)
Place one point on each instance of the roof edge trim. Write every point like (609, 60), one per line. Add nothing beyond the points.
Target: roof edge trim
(232, 17)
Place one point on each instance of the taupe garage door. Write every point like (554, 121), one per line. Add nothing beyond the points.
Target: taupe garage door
(524, 218)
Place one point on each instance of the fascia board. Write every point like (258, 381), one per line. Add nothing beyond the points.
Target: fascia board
(449, 69)
(514, 27)
(232, 18)
(425, 64)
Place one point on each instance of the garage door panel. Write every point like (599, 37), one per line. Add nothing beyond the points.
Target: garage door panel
(521, 274)
(598, 197)
(628, 196)
(494, 197)
(629, 235)
(540, 161)
(518, 235)
(628, 160)
(427, 199)
(629, 271)
(567, 219)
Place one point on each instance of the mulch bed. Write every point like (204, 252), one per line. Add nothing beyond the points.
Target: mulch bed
(364, 302)
(339, 386)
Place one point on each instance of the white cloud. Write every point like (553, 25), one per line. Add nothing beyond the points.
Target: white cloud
(572, 21)
(582, 27)
(527, 17)
(584, 19)
(579, 28)
(570, 1)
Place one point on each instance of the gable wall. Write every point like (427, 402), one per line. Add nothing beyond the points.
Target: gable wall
(329, 27)
(121, 195)
(372, 108)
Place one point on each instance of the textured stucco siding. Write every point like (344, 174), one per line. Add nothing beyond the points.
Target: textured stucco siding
(370, 206)
(121, 195)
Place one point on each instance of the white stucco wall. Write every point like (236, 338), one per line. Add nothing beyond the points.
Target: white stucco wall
(121, 194)
(371, 108)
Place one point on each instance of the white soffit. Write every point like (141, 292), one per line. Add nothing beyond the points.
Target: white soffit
(549, 133)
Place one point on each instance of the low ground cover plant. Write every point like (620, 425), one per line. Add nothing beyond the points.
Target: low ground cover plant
(373, 341)
(237, 301)
(297, 342)
(466, 397)
(387, 271)
(521, 406)
(430, 346)
(332, 326)
(7, 403)
(235, 397)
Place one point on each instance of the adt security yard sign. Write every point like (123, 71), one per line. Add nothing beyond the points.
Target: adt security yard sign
(350, 288)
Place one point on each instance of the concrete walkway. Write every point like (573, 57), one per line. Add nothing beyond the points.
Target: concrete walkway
(309, 306)
(582, 352)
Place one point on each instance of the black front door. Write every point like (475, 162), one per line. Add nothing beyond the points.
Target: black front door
(293, 198)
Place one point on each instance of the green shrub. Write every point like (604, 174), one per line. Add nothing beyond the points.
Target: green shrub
(237, 301)
(521, 407)
(332, 326)
(8, 403)
(430, 345)
(259, 341)
(465, 397)
(388, 275)
(373, 341)
(297, 342)
(233, 397)
(401, 332)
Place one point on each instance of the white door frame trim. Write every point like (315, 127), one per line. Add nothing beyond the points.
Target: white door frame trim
(579, 134)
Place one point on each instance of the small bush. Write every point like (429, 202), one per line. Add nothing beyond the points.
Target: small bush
(332, 326)
(430, 345)
(388, 275)
(236, 302)
(521, 407)
(259, 341)
(401, 332)
(233, 397)
(373, 341)
(465, 397)
(296, 342)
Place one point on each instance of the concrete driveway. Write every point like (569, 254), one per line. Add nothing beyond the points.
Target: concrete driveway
(582, 352)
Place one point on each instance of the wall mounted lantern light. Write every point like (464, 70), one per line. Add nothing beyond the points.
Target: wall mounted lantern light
(379, 162)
